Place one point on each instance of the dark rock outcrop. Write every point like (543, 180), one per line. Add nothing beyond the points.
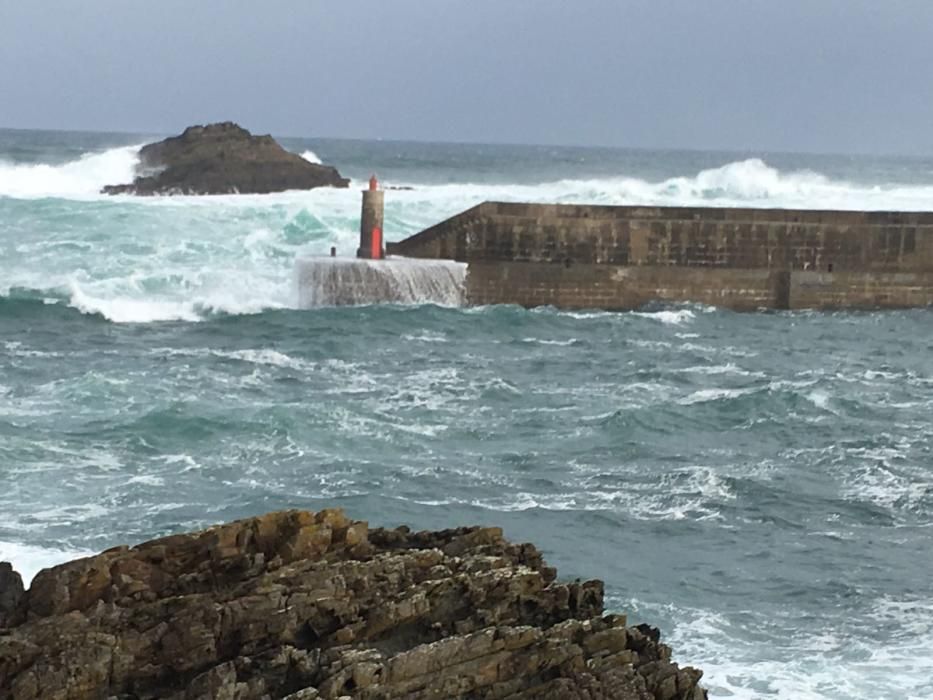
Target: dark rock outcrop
(11, 590)
(223, 159)
(305, 605)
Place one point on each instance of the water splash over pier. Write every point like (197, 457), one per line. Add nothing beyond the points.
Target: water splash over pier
(346, 281)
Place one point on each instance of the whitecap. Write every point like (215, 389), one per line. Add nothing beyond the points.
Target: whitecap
(728, 368)
(187, 462)
(668, 317)
(69, 514)
(545, 341)
(818, 398)
(715, 394)
(265, 356)
(146, 480)
(425, 337)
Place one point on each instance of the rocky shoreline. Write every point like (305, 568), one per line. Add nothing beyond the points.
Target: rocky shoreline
(305, 605)
(223, 158)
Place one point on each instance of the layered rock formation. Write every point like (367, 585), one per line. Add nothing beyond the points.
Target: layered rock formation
(223, 159)
(306, 605)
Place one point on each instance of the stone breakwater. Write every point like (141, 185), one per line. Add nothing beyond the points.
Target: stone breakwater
(307, 605)
(623, 257)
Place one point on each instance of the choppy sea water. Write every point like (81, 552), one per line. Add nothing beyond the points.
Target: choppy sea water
(758, 485)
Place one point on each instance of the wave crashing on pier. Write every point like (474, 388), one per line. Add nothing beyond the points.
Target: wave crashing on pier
(345, 282)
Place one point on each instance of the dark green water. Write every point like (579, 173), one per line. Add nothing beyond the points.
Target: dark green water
(759, 485)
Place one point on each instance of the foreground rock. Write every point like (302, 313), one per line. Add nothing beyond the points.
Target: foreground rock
(303, 606)
(222, 159)
(11, 590)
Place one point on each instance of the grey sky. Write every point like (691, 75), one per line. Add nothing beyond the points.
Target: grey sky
(811, 75)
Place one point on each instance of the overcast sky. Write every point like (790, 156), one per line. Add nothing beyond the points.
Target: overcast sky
(792, 75)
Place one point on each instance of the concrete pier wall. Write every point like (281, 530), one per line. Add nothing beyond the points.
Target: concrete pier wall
(623, 257)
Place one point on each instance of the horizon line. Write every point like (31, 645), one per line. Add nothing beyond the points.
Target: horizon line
(454, 142)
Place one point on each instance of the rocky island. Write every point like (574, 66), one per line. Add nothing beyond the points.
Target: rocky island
(308, 606)
(223, 158)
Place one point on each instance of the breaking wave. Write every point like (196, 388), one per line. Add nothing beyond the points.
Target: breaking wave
(80, 178)
(185, 258)
(749, 182)
(745, 182)
(126, 309)
(30, 560)
(893, 641)
(310, 156)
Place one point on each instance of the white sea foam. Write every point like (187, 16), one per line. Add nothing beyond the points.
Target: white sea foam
(124, 308)
(545, 341)
(185, 462)
(743, 183)
(694, 493)
(310, 156)
(667, 316)
(16, 349)
(28, 560)
(580, 315)
(257, 356)
(827, 661)
(873, 479)
(425, 337)
(266, 356)
(746, 182)
(146, 480)
(819, 398)
(728, 368)
(77, 179)
(704, 395)
(183, 258)
(68, 515)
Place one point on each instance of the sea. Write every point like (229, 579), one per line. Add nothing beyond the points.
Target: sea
(757, 485)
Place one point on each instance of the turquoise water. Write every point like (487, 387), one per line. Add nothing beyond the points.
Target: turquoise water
(759, 485)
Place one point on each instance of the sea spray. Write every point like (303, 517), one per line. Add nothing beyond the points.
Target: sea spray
(78, 179)
(29, 560)
(749, 182)
(339, 282)
(184, 258)
(311, 156)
